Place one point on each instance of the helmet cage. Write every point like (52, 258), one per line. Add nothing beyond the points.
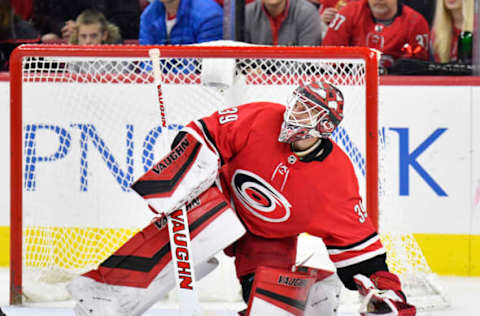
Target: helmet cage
(304, 118)
(308, 114)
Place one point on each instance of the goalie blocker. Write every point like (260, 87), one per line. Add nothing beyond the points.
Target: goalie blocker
(179, 177)
(140, 273)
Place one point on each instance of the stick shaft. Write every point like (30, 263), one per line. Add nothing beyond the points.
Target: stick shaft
(180, 242)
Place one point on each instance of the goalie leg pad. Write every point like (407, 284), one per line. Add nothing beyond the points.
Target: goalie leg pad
(307, 292)
(279, 292)
(140, 272)
(101, 299)
(213, 226)
(324, 296)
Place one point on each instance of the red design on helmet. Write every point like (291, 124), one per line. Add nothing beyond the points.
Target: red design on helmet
(313, 110)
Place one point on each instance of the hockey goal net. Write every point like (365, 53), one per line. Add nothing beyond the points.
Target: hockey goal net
(85, 124)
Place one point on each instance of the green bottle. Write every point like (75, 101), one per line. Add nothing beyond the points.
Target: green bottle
(465, 42)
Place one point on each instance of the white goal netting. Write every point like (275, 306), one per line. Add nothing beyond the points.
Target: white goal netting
(91, 126)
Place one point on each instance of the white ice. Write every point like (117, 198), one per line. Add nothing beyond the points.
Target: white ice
(462, 292)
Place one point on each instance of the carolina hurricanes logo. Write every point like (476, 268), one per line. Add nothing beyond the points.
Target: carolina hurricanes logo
(259, 197)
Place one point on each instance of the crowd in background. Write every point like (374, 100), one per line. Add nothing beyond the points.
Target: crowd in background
(435, 31)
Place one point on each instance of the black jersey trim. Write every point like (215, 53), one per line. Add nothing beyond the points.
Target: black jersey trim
(145, 264)
(367, 268)
(352, 245)
(211, 140)
(281, 298)
(325, 148)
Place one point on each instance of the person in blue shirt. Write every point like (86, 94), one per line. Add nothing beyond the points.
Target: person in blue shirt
(166, 22)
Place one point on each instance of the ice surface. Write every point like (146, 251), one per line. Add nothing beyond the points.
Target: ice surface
(463, 293)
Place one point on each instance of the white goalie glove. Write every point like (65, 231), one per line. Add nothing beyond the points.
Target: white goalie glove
(179, 177)
(381, 294)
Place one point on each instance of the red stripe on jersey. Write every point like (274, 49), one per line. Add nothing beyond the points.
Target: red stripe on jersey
(356, 254)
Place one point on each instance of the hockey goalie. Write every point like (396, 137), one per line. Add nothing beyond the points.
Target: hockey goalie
(255, 177)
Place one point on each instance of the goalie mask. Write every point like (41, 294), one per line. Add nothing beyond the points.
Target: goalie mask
(313, 110)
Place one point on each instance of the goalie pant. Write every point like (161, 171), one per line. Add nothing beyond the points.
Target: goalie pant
(140, 273)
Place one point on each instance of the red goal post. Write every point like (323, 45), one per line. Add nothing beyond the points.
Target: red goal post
(40, 71)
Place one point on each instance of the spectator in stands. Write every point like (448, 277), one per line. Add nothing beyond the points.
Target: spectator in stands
(55, 18)
(387, 25)
(181, 22)
(92, 28)
(13, 32)
(451, 18)
(282, 22)
(328, 9)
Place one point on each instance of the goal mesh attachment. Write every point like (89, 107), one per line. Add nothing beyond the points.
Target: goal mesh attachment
(85, 125)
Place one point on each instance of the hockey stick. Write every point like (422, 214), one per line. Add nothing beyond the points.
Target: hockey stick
(180, 242)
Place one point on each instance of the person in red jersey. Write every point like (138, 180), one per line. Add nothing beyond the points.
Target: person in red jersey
(284, 176)
(306, 184)
(393, 28)
(328, 9)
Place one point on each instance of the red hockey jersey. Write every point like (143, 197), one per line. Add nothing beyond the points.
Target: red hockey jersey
(354, 25)
(276, 195)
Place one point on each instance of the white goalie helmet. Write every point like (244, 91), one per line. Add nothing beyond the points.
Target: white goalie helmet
(313, 110)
